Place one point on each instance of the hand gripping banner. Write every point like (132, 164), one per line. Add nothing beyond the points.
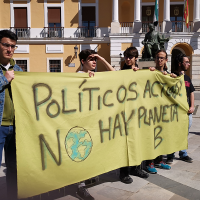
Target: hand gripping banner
(70, 127)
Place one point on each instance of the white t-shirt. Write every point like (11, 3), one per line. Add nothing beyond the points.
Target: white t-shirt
(6, 66)
(80, 72)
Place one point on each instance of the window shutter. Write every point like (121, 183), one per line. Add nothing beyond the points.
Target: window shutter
(54, 15)
(20, 17)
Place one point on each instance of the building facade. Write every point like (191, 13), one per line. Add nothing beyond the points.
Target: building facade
(52, 32)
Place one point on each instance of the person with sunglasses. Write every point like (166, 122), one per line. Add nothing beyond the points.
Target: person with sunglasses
(131, 56)
(8, 42)
(88, 59)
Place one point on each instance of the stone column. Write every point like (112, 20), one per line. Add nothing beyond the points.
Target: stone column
(195, 70)
(115, 26)
(137, 8)
(196, 10)
(169, 62)
(167, 25)
(166, 10)
(137, 25)
(196, 23)
(115, 11)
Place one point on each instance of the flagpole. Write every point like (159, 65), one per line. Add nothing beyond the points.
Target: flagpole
(184, 23)
(158, 15)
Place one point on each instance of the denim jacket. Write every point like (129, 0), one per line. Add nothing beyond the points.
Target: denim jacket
(4, 82)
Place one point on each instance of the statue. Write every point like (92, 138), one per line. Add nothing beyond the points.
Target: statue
(152, 43)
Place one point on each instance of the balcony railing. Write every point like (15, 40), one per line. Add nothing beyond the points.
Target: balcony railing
(179, 26)
(21, 32)
(53, 32)
(145, 26)
(126, 27)
(84, 31)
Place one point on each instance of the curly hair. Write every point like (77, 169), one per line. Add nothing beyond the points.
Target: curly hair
(178, 59)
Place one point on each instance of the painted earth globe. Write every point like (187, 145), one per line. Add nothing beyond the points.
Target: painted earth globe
(78, 144)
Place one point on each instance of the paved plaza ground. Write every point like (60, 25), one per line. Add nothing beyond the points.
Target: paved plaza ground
(180, 183)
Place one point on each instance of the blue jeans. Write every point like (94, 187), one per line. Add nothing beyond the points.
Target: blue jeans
(7, 141)
(182, 153)
(6, 133)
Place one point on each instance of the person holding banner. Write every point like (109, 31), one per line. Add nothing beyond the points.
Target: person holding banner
(182, 64)
(8, 42)
(161, 65)
(131, 56)
(88, 59)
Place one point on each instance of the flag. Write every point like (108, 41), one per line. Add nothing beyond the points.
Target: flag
(155, 18)
(186, 14)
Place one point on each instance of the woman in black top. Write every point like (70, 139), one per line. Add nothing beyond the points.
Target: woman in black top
(131, 56)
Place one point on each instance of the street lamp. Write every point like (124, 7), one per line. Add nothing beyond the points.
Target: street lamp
(75, 51)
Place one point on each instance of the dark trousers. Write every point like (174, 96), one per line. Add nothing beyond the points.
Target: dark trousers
(10, 160)
(157, 160)
(125, 171)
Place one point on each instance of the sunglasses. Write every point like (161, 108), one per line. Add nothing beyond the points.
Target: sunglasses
(161, 58)
(92, 59)
(130, 57)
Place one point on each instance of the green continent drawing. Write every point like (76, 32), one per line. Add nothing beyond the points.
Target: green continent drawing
(78, 144)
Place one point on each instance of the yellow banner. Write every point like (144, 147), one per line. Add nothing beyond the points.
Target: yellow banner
(70, 127)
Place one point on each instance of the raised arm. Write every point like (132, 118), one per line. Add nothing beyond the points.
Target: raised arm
(103, 60)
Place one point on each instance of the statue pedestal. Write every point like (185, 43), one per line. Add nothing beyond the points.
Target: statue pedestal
(137, 27)
(115, 27)
(167, 26)
(196, 27)
(146, 64)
